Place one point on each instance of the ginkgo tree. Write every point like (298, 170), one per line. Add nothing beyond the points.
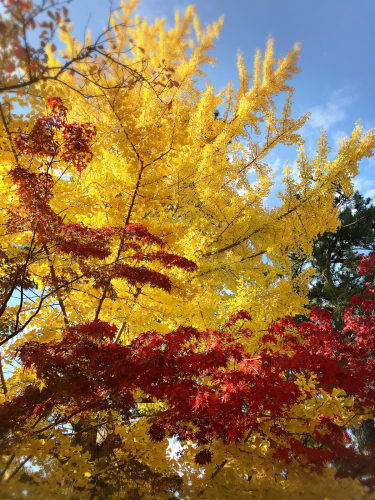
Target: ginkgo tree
(146, 286)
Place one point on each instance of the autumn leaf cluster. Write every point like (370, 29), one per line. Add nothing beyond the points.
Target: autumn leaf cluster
(147, 293)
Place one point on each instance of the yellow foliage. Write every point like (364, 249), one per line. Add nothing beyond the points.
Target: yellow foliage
(163, 160)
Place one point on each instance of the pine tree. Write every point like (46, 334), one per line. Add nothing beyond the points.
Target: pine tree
(335, 256)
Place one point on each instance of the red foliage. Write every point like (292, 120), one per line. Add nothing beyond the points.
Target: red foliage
(140, 232)
(83, 242)
(76, 147)
(241, 315)
(57, 107)
(203, 457)
(87, 371)
(43, 140)
(367, 263)
(167, 260)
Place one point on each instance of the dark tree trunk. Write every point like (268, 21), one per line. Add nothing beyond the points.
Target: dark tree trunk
(365, 433)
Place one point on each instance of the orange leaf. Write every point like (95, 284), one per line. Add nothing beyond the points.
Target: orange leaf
(10, 67)
(53, 47)
(24, 6)
(170, 105)
(20, 52)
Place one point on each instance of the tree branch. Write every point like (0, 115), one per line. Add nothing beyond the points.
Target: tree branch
(56, 285)
(19, 467)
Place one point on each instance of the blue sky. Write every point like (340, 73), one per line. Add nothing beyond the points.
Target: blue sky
(338, 57)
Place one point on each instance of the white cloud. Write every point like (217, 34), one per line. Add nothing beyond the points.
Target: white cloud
(365, 187)
(370, 193)
(336, 138)
(274, 161)
(335, 109)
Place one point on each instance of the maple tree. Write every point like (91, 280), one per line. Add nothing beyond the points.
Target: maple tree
(144, 277)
